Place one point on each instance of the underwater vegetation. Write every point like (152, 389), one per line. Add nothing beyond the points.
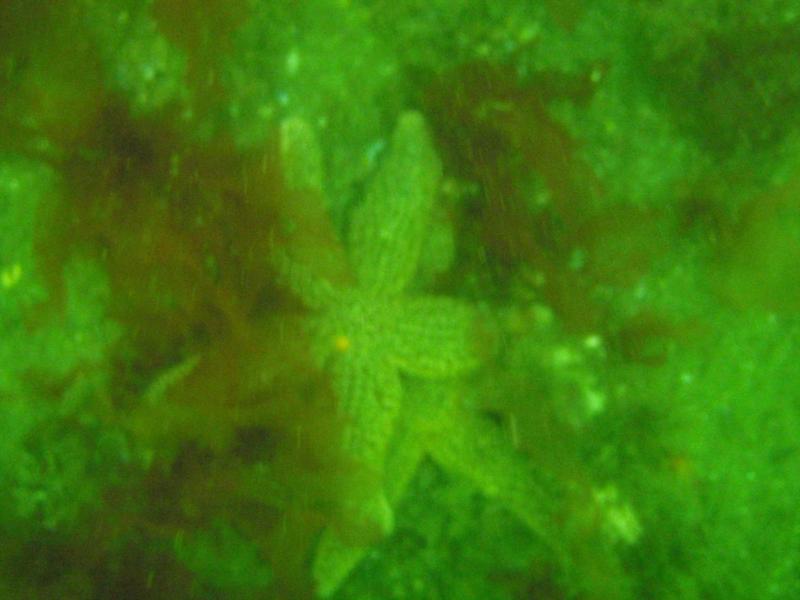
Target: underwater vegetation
(406, 300)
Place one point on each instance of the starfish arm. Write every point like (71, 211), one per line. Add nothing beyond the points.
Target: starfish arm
(334, 559)
(306, 251)
(369, 396)
(403, 459)
(480, 453)
(387, 229)
(435, 337)
(467, 444)
(314, 292)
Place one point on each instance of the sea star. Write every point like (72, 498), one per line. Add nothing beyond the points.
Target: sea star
(386, 346)
(397, 356)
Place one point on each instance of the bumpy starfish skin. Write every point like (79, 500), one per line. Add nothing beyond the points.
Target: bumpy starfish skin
(375, 331)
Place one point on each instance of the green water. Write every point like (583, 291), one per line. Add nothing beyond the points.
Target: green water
(399, 300)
